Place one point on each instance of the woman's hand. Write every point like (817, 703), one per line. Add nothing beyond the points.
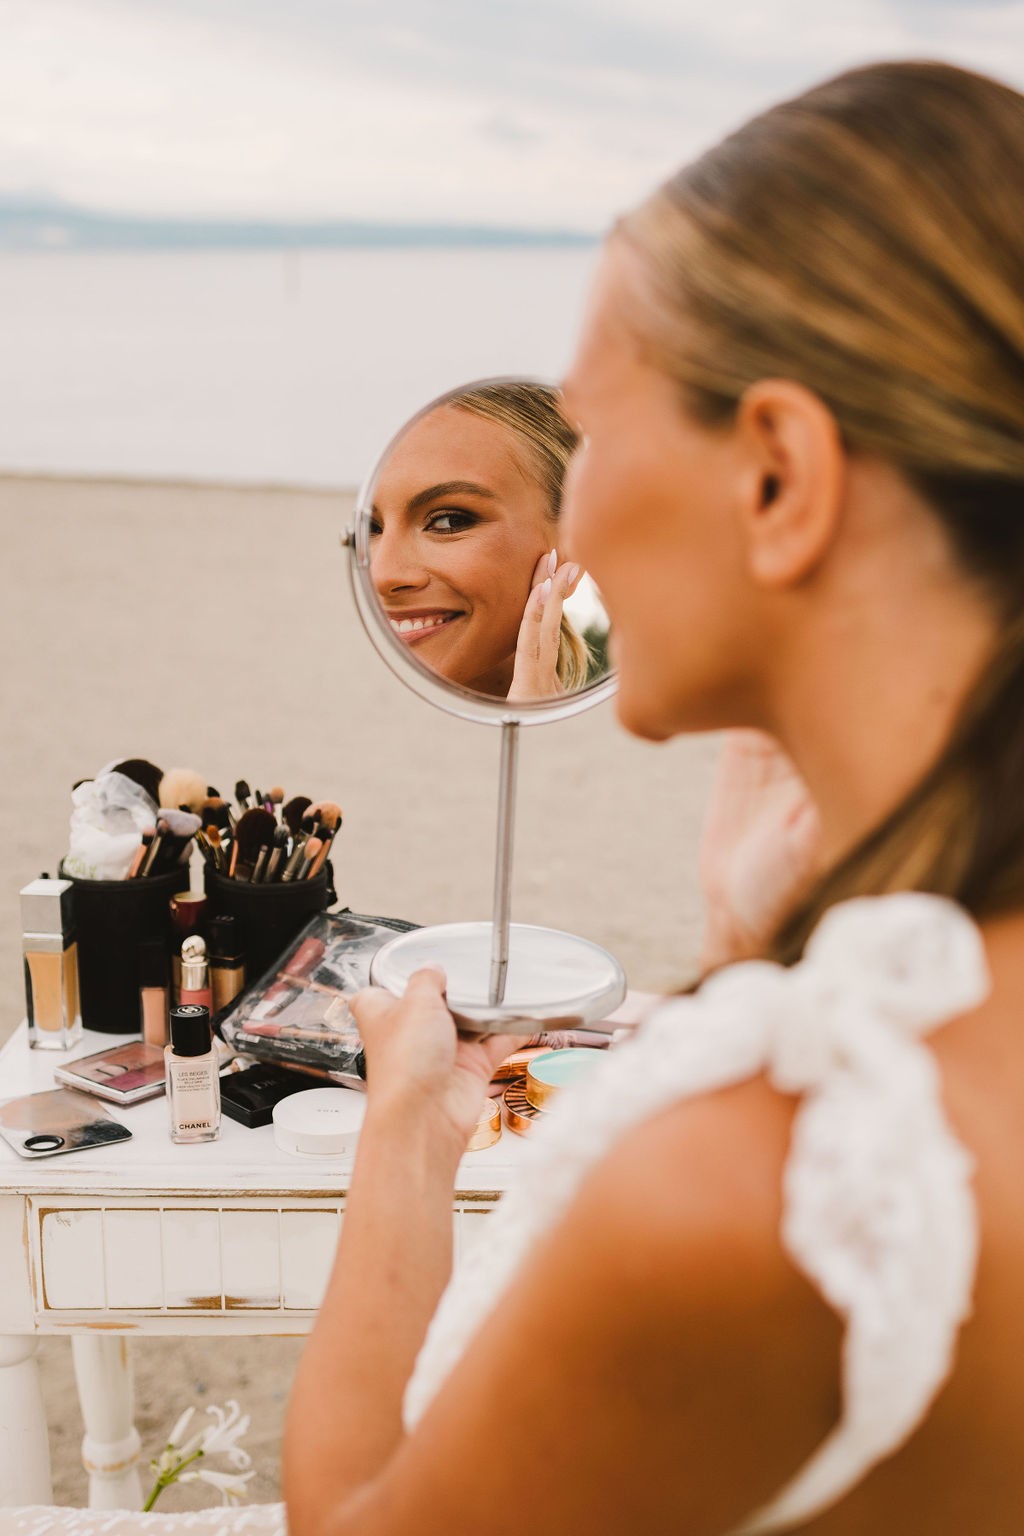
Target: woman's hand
(760, 850)
(415, 1057)
(535, 675)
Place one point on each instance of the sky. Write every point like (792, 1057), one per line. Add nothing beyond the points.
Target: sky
(536, 113)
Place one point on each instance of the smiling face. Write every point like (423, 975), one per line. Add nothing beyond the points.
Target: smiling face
(460, 520)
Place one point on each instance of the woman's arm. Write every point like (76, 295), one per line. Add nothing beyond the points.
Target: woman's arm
(425, 1091)
(657, 1365)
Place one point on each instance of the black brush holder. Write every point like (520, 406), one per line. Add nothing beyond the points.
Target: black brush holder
(113, 918)
(269, 916)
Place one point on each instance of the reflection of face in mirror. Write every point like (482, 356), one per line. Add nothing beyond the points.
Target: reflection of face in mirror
(464, 527)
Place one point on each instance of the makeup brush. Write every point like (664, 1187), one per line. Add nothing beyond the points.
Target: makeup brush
(329, 825)
(242, 793)
(146, 774)
(321, 815)
(220, 858)
(148, 834)
(295, 858)
(216, 812)
(294, 811)
(148, 862)
(178, 829)
(255, 831)
(310, 851)
(182, 787)
(275, 799)
(278, 855)
(206, 849)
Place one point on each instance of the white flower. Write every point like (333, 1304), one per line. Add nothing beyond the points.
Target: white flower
(223, 1436)
(230, 1485)
(219, 1438)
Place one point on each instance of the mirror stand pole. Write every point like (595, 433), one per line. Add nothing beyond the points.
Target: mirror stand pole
(503, 859)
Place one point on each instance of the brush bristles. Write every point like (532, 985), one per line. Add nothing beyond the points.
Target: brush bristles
(182, 787)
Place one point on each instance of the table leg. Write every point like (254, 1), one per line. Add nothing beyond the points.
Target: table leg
(24, 1444)
(111, 1445)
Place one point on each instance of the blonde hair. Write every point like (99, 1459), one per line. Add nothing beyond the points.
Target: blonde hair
(532, 413)
(867, 241)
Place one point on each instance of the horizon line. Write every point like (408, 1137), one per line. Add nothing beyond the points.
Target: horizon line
(44, 225)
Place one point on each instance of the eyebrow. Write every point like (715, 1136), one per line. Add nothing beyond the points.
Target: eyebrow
(448, 488)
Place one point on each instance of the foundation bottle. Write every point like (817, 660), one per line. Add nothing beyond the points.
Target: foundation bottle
(51, 964)
(153, 994)
(227, 970)
(193, 1081)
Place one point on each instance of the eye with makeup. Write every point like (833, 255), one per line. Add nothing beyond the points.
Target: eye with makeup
(449, 520)
(445, 521)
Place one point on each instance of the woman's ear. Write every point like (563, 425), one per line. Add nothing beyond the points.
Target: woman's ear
(792, 493)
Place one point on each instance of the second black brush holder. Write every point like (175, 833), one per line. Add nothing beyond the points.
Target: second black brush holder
(269, 916)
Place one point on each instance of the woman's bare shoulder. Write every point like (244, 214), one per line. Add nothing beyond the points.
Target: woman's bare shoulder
(658, 1361)
(697, 1192)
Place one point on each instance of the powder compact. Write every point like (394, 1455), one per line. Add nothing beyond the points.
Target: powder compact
(541, 1077)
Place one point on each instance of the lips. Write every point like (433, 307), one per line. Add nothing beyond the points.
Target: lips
(414, 625)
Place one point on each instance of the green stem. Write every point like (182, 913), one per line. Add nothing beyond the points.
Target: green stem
(170, 1477)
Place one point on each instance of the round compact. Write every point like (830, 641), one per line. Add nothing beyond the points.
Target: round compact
(488, 1127)
(546, 1074)
(319, 1122)
(519, 1112)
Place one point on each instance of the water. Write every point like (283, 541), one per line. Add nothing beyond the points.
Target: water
(267, 367)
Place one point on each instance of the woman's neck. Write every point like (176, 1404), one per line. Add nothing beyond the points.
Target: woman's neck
(881, 666)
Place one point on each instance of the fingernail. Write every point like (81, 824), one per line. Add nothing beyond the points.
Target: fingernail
(545, 591)
(574, 572)
(553, 562)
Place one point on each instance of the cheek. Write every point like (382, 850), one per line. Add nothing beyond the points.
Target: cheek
(660, 551)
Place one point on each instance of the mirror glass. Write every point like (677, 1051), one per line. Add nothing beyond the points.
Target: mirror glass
(460, 555)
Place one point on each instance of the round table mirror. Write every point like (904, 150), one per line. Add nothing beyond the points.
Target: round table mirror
(465, 589)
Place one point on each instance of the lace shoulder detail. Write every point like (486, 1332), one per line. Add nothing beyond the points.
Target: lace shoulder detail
(878, 1210)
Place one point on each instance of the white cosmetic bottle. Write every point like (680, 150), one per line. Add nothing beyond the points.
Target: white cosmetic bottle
(193, 1076)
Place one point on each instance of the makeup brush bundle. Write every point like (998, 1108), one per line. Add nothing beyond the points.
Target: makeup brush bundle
(264, 839)
(133, 821)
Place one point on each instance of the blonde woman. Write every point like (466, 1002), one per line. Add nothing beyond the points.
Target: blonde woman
(464, 547)
(764, 1270)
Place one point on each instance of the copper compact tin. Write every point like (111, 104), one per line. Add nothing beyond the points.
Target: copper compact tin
(519, 1112)
(488, 1127)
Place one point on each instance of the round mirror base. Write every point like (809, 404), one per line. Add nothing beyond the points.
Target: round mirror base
(555, 980)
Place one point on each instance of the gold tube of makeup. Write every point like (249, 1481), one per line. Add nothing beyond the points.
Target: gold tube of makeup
(227, 968)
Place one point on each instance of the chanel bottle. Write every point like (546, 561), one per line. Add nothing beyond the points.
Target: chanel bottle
(193, 1083)
(51, 964)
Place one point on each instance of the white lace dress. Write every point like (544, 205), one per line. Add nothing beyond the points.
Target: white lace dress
(878, 1210)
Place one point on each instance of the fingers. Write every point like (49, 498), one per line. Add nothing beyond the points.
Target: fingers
(369, 1006)
(372, 1004)
(535, 671)
(429, 981)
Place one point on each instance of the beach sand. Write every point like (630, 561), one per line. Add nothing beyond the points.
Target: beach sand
(213, 627)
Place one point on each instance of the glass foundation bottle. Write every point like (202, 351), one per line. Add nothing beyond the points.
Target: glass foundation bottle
(227, 969)
(51, 964)
(193, 1080)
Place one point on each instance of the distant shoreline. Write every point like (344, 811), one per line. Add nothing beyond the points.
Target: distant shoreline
(57, 228)
(174, 483)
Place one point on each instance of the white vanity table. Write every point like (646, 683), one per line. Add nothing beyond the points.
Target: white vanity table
(144, 1237)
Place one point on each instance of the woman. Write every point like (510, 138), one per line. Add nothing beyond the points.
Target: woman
(731, 1292)
(464, 520)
